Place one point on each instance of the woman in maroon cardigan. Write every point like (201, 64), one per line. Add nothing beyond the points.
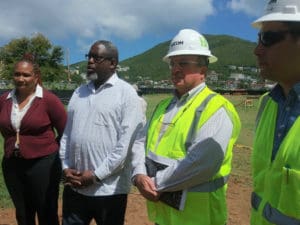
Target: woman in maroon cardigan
(29, 116)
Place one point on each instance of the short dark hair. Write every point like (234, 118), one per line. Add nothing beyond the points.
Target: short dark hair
(112, 50)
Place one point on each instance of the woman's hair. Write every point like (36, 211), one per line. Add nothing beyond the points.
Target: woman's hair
(30, 58)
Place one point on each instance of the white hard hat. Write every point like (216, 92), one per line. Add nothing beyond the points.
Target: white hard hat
(189, 42)
(280, 10)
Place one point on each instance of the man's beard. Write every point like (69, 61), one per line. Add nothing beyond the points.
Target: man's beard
(92, 76)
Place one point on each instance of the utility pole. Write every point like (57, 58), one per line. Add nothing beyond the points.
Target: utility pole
(68, 64)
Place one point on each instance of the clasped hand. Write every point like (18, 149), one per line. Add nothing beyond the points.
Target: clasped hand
(78, 179)
(146, 187)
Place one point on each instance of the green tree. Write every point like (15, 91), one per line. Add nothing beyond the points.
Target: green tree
(56, 56)
(48, 57)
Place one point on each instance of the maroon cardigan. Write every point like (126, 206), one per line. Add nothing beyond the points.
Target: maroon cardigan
(37, 136)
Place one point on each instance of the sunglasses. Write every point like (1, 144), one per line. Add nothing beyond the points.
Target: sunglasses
(97, 59)
(269, 38)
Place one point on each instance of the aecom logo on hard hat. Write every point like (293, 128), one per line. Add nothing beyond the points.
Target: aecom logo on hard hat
(177, 43)
(203, 42)
(270, 6)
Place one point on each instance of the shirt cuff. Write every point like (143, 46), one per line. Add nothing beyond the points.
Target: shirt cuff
(65, 165)
(138, 170)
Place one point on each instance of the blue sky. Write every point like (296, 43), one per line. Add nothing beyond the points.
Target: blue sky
(133, 25)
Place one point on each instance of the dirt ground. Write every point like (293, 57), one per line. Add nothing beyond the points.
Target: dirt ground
(238, 200)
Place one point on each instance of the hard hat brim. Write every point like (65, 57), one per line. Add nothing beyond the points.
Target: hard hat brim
(280, 17)
(211, 57)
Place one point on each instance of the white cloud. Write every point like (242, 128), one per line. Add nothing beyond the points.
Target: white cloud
(128, 19)
(252, 8)
(75, 24)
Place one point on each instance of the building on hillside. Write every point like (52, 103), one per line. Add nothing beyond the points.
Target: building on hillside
(232, 67)
(212, 76)
(237, 76)
(122, 69)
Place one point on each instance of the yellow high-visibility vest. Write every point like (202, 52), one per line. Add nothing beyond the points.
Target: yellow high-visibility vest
(208, 207)
(276, 184)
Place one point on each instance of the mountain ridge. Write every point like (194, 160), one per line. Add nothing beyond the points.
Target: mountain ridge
(228, 49)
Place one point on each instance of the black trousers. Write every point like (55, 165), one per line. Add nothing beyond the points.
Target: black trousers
(33, 185)
(80, 209)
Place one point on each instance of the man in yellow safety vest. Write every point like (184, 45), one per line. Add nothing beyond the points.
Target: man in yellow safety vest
(182, 162)
(275, 159)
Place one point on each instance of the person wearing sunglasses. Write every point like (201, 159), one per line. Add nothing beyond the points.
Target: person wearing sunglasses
(275, 158)
(103, 116)
(182, 161)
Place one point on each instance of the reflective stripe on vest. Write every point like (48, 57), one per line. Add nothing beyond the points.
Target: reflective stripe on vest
(193, 128)
(210, 186)
(153, 160)
(271, 214)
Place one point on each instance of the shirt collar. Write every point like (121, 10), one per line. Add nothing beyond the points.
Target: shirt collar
(278, 96)
(110, 82)
(191, 93)
(38, 92)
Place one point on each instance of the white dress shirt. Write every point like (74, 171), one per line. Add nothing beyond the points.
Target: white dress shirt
(100, 128)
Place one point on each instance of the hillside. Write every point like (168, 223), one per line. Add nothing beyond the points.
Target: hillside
(229, 50)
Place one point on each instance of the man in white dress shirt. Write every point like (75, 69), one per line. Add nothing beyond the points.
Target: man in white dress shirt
(103, 117)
